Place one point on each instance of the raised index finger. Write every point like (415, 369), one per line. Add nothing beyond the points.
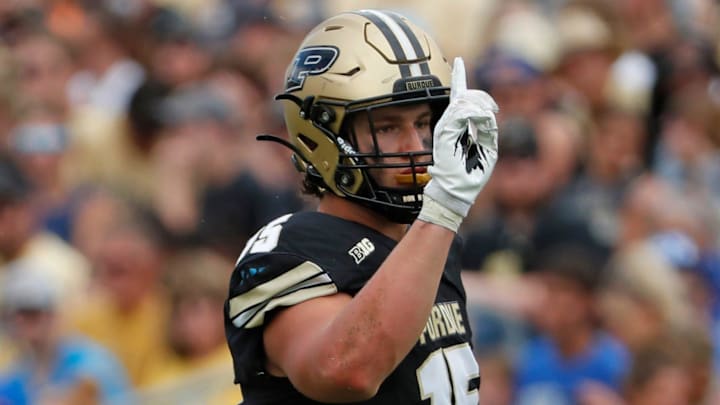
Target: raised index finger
(458, 82)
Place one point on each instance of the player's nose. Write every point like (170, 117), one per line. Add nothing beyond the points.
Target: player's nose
(412, 139)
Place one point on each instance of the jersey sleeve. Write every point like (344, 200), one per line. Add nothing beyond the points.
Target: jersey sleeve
(268, 281)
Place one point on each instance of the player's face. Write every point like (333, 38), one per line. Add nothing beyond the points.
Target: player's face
(398, 129)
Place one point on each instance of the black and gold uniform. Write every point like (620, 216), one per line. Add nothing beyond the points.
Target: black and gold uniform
(307, 255)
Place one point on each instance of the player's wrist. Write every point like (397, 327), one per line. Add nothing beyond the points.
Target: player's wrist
(454, 197)
(436, 213)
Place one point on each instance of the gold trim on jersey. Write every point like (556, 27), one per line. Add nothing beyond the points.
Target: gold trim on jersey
(304, 282)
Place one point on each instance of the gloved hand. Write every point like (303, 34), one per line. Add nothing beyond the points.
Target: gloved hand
(465, 149)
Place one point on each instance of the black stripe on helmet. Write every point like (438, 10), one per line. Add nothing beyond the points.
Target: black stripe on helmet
(424, 68)
(391, 38)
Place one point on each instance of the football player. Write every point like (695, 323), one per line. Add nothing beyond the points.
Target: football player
(348, 303)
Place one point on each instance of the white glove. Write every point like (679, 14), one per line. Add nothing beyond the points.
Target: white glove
(465, 149)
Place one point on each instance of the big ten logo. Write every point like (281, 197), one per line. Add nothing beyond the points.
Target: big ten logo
(361, 250)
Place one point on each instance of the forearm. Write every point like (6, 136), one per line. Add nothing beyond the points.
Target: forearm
(394, 305)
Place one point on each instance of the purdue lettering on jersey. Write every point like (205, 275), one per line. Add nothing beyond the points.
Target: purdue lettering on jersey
(445, 319)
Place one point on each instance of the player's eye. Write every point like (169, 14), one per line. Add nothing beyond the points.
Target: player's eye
(423, 124)
(387, 129)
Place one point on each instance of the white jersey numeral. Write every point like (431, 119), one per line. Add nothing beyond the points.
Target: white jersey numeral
(445, 375)
(266, 238)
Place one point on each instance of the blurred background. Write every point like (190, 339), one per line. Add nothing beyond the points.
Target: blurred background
(130, 180)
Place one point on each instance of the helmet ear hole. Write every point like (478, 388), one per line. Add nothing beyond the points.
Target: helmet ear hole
(307, 142)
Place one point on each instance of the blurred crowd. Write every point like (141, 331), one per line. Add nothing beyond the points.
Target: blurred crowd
(130, 179)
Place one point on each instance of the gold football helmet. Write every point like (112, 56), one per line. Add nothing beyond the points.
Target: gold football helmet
(357, 62)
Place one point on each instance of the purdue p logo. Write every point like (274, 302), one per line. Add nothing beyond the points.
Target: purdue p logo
(311, 61)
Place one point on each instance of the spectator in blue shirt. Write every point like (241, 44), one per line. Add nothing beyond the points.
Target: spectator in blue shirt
(570, 355)
(52, 365)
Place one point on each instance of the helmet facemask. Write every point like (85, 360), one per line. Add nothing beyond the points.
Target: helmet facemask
(398, 196)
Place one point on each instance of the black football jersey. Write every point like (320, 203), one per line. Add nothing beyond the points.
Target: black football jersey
(309, 254)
